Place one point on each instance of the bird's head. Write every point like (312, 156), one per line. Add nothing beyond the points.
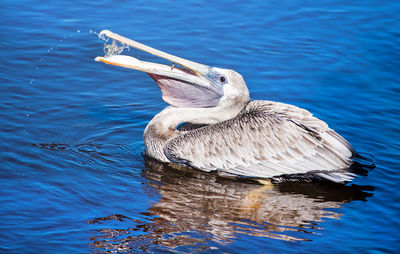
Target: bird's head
(189, 85)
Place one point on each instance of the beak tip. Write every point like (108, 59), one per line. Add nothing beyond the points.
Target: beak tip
(104, 32)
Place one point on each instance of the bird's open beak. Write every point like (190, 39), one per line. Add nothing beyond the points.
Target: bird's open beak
(196, 69)
(169, 78)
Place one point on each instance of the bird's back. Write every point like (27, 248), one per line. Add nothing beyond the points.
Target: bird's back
(266, 139)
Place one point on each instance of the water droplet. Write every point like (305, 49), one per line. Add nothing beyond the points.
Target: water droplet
(114, 48)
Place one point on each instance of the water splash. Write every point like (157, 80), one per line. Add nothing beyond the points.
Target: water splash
(51, 51)
(115, 48)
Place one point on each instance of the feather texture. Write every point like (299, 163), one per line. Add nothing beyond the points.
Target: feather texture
(265, 139)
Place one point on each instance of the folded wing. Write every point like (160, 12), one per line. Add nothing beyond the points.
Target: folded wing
(266, 139)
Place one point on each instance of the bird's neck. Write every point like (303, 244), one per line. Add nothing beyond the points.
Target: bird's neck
(163, 126)
(170, 117)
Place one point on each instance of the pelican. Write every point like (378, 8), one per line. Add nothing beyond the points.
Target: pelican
(213, 125)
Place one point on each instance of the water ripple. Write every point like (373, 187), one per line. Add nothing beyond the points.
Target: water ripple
(73, 176)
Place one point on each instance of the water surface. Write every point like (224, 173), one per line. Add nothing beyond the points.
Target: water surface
(73, 176)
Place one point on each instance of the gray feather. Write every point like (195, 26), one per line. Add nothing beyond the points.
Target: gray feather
(265, 139)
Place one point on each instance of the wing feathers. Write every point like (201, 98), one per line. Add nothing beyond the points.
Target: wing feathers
(266, 139)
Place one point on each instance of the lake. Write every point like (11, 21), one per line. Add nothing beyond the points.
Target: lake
(74, 178)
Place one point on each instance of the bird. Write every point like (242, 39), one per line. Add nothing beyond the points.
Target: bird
(212, 125)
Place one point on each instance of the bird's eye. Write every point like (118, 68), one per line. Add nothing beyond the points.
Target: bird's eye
(222, 79)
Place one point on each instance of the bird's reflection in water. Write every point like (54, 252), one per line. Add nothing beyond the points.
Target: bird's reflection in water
(196, 208)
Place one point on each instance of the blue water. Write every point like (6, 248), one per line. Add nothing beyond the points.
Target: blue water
(73, 178)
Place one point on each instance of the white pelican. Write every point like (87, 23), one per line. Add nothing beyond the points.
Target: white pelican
(212, 125)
